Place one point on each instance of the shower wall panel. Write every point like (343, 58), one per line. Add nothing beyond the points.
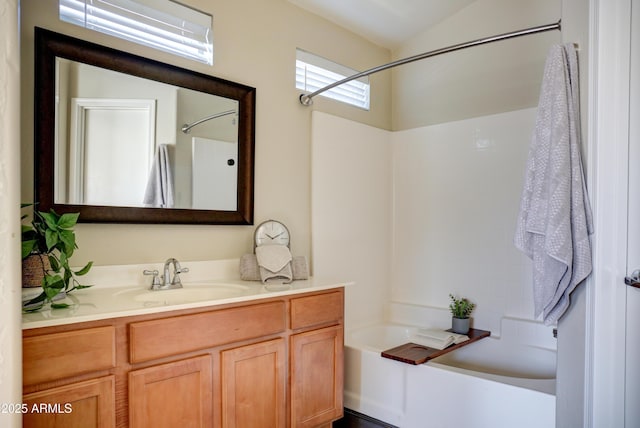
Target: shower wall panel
(457, 190)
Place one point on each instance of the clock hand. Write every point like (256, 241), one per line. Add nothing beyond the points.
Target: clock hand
(277, 235)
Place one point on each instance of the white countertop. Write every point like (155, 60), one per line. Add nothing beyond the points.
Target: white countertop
(106, 300)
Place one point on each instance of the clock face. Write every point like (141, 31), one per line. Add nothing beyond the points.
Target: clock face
(271, 232)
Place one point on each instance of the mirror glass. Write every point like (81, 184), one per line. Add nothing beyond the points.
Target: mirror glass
(113, 129)
(121, 138)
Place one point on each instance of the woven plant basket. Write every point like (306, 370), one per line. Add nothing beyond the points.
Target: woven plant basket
(34, 268)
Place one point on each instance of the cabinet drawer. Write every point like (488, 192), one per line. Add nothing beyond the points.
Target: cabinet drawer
(173, 336)
(59, 355)
(319, 309)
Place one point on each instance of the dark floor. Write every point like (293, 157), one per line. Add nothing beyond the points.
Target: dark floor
(353, 419)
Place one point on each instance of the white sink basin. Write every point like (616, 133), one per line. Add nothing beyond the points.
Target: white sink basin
(187, 294)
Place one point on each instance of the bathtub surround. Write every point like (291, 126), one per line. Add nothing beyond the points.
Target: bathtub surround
(447, 233)
(351, 203)
(456, 190)
(555, 220)
(417, 229)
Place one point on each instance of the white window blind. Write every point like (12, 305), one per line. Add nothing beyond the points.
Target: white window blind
(163, 25)
(314, 72)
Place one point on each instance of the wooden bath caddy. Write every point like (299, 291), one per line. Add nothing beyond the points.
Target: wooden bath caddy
(412, 353)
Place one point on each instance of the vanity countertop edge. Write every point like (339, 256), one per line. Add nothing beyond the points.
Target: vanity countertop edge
(99, 303)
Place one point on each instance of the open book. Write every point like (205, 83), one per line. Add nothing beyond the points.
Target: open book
(438, 339)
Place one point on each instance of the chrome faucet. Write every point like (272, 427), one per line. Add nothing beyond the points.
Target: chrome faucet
(165, 282)
(177, 270)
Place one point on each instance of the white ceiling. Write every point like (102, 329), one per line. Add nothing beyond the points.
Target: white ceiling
(387, 23)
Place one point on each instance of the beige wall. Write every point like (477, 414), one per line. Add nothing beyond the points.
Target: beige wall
(483, 80)
(255, 43)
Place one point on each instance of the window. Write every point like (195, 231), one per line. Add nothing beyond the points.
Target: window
(163, 25)
(314, 72)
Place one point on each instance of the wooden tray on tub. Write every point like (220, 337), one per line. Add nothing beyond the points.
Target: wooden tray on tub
(412, 353)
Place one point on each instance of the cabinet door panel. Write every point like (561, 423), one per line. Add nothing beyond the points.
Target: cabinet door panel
(316, 376)
(253, 385)
(177, 394)
(85, 404)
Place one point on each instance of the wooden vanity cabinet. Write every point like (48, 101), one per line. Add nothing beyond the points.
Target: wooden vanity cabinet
(87, 404)
(174, 394)
(267, 363)
(316, 377)
(317, 359)
(253, 385)
(85, 357)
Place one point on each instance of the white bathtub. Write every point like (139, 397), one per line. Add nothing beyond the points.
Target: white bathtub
(490, 383)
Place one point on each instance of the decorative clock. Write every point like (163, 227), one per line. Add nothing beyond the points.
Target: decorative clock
(271, 232)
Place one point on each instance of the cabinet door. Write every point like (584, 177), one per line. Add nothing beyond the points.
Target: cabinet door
(316, 376)
(85, 404)
(253, 385)
(177, 394)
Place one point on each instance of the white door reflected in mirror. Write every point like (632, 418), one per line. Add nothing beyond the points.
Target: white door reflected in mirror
(103, 129)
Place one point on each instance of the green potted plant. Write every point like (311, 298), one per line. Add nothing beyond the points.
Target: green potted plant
(50, 239)
(460, 310)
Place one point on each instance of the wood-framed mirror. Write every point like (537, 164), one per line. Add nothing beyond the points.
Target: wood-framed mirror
(111, 141)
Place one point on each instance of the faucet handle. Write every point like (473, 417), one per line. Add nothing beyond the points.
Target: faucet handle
(176, 275)
(155, 282)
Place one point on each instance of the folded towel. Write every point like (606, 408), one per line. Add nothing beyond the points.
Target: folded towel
(282, 276)
(275, 263)
(250, 270)
(555, 222)
(300, 268)
(159, 191)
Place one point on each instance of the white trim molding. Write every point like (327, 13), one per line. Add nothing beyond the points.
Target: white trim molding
(608, 175)
(10, 283)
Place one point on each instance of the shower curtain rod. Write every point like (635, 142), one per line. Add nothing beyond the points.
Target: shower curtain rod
(307, 99)
(186, 127)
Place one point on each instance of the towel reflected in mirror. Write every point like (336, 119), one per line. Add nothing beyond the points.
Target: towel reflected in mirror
(159, 192)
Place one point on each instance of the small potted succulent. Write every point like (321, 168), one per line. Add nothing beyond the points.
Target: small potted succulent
(48, 242)
(460, 310)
